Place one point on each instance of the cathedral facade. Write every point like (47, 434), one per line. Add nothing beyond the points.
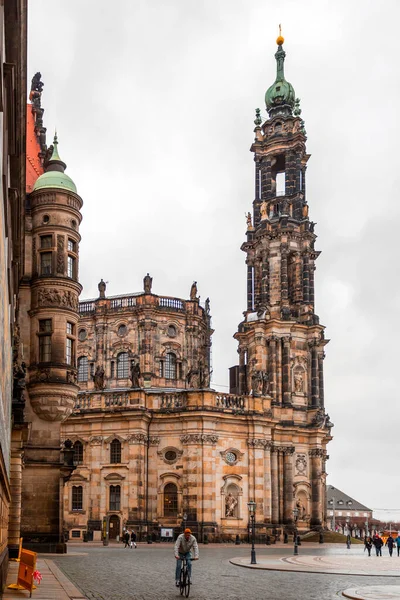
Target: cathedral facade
(154, 445)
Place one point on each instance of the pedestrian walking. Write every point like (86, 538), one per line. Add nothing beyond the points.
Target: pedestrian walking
(133, 539)
(378, 543)
(126, 539)
(368, 545)
(397, 542)
(390, 544)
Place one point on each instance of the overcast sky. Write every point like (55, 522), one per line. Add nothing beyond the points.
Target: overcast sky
(154, 102)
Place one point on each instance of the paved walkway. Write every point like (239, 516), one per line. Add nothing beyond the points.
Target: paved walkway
(373, 592)
(54, 585)
(342, 564)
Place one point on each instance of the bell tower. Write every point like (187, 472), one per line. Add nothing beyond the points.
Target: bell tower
(281, 343)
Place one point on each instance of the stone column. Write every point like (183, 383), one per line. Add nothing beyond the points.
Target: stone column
(279, 371)
(272, 374)
(281, 486)
(274, 486)
(191, 474)
(286, 380)
(312, 269)
(314, 375)
(265, 279)
(208, 499)
(256, 474)
(284, 276)
(250, 302)
(316, 455)
(306, 279)
(288, 484)
(14, 523)
(267, 483)
(242, 371)
(321, 357)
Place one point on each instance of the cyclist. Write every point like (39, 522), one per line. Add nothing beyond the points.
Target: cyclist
(185, 542)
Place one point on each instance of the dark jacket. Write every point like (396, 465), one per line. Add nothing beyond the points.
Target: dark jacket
(390, 542)
(377, 541)
(126, 537)
(368, 543)
(133, 536)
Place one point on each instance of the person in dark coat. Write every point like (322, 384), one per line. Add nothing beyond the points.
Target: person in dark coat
(133, 539)
(126, 538)
(378, 543)
(390, 544)
(368, 545)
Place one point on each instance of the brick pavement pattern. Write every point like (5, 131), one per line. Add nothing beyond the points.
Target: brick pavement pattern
(115, 573)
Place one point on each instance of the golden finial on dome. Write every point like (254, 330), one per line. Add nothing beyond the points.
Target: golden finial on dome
(280, 39)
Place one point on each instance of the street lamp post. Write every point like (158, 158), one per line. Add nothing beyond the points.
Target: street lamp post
(295, 517)
(252, 514)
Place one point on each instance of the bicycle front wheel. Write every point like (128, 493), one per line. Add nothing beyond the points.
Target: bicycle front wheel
(182, 582)
(187, 587)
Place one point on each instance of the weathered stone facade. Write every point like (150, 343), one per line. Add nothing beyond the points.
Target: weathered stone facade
(152, 448)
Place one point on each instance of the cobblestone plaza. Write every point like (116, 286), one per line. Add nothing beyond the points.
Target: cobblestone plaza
(115, 573)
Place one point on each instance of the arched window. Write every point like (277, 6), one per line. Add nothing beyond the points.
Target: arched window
(115, 497)
(170, 500)
(170, 366)
(83, 368)
(115, 451)
(78, 453)
(77, 497)
(122, 365)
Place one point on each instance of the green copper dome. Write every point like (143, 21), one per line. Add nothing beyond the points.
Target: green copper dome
(54, 176)
(280, 97)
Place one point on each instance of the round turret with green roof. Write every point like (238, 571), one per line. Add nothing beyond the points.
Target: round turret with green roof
(54, 176)
(280, 97)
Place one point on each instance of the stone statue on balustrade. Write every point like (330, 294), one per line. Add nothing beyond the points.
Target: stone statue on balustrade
(147, 284)
(102, 289)
(135, 373)
(98, 378)
(193, 291)
(257, 383)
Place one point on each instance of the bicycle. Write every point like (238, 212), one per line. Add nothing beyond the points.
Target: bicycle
(184, 580)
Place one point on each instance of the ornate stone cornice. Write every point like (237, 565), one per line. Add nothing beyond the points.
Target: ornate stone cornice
(317, 452)
(137, 438)
(259, 443)
(287, 450)
(154, 440)
(198, 438)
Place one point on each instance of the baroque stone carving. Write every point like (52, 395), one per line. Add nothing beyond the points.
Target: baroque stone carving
(98, 378)
(230, 505)
(137, 438)
(197, 438)
(298, 382)
(154, 440)
(321, 420)
(228, 454)
(51, 406)
(317, 452)
(135, 373)
(259, 443)
(96, 440)
(60, 254)
(301, 464)
(55, 297)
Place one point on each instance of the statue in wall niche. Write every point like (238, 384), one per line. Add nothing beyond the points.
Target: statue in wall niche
(248, 220)
(98, 378)
(265, 383)
(264, 211)
(147, 284)
(193, 378)
(207, 306)
(298, 382)
(193, 291)
(305, 211)
(135, 373)
(301, 508)
(230, 505)
(257, 383)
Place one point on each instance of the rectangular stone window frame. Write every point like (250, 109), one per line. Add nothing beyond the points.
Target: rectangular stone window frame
(71, 267)
(46, 263)
(45, 331)
(46, 241)
(71, 246)
(70, 344)
(77, 498)
(114, 498)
